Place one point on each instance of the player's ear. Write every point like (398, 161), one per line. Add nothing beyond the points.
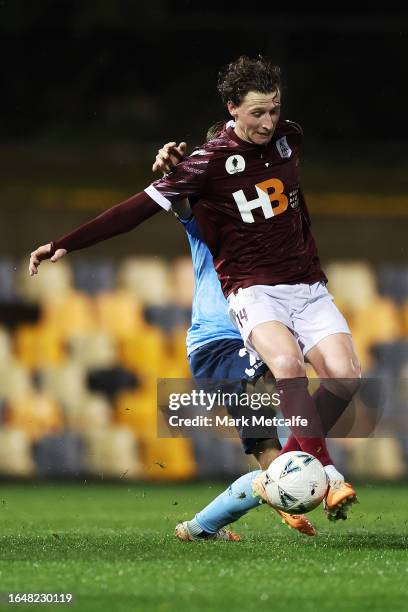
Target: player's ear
(232, 109)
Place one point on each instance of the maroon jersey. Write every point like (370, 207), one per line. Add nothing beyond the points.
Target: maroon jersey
(250, 209)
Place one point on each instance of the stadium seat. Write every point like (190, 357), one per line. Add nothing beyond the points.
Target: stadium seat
(93, 349)
(404, 314)
(94, 275)
(168, 458)
(35, 413)
(231, 459)
(180, 367)
(138, 410)
(118, 313)
(59, 456)
(391, 357)
(353, 284)
(168, 317)
(67, 383)
(145, 352)
(54, 282)
(112, 452)
(111, 381)
(376, 458)
(38, 346)
(71, 315)
(15, 453)
(147, 278)
(182, 279)
(5, 345)
(7, 280)
(393, 281)
(92, 412)
(15, 380)
(380, 322)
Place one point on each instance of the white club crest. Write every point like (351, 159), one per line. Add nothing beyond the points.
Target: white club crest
(284, 149)
(234, 164)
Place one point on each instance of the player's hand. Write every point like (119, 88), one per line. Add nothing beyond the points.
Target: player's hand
(169, 156)
(43, 252)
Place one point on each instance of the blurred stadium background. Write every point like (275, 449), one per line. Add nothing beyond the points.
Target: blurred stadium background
(89, 93)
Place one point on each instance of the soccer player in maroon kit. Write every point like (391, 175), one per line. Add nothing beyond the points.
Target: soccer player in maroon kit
(253, 217)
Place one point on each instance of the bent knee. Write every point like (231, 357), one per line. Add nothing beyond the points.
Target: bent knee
(287, 366)
(345, 367)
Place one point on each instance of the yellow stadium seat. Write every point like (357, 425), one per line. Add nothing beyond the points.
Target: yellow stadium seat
(179, 366)
(362, 345)
(353, 284)
(146, 352)
(118, 313)
(168, 458)
(138, 410)
(379, 321)
(404, 314)
(38, 346)
(36, 413)
(69, 314)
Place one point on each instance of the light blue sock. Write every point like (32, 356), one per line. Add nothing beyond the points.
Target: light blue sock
(228, 507)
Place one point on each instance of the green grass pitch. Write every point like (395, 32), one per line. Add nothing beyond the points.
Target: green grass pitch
(112, 546)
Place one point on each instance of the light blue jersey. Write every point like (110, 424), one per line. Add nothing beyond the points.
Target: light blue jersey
(210, 320)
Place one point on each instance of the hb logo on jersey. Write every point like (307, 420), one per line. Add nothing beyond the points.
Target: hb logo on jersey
(269, 191)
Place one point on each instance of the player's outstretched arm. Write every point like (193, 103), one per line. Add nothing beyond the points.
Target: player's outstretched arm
(116, 220)
(46, 251)
(169, 156)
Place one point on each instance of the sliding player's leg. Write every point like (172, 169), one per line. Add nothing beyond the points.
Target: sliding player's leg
(228, 360)
(227, 508)
(239, 498)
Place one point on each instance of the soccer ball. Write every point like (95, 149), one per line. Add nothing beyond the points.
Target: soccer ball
(295, 482)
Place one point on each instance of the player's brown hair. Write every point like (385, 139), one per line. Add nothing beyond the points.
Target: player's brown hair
(247, 74)
(214, 130)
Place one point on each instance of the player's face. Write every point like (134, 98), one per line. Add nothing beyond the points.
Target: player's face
(256, 117)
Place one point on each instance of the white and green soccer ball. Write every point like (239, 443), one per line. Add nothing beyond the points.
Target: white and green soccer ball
(295, 482)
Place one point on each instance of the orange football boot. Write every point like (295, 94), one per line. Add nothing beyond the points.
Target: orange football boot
(339, 500)
(294, 521)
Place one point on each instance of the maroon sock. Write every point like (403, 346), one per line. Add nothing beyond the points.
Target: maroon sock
(295, 400)
(291, 445)
(329, 406)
